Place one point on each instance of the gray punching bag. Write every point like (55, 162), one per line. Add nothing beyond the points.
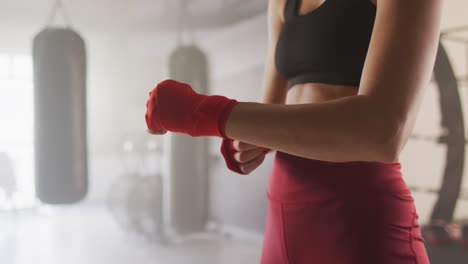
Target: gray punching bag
(188, 170)
(59, 60)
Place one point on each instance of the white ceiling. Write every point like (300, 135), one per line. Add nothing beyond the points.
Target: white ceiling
(157, 15)
(133, 15)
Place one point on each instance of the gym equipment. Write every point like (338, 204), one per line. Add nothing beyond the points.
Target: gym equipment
(188, 169)
(135, 198)
(453, 137)
(445, 237)
(186, 173)
(59, 60)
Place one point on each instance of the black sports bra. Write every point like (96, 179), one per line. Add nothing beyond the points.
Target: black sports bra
(327, 45)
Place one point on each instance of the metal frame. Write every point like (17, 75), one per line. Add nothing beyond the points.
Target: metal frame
(458, 35)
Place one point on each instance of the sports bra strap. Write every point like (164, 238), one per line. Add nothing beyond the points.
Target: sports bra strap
(291, 8)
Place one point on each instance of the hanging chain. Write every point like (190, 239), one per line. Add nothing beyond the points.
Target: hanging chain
(58, 6)
(182, 25)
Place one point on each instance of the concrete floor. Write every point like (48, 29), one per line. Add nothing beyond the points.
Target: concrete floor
(78, 235)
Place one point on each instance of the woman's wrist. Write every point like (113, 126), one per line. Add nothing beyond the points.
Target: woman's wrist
(176, 107)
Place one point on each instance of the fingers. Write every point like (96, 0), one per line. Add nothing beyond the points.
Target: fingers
(152, 118)
(249, 155)
(159, 132)
(242, 146)
(252, 165)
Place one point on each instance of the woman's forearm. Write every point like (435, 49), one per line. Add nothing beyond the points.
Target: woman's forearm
(346, 129)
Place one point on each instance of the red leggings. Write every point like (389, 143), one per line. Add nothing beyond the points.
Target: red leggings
(340, 213)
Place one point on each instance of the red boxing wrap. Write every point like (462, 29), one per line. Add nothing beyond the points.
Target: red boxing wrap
(176, 107)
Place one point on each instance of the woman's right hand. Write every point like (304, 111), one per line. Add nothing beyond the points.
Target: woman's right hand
(249, 157)
(242, 157)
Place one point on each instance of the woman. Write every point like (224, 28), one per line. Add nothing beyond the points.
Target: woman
(343, 83)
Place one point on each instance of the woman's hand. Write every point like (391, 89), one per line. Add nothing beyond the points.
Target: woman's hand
(176, 107)
(242, 157)
(249, 157)
(159, 132)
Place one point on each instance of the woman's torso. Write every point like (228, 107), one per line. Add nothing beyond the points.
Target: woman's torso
(335, 86)
(316, 93)
(317, 14)
(335, 212)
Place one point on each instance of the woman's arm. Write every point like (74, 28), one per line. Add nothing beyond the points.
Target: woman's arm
(375, 124)
(247, 156)
(274, 85)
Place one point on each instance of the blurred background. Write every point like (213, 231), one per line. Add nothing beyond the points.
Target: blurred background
(126, 198)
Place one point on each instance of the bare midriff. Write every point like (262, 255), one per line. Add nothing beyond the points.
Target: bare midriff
(316, 93)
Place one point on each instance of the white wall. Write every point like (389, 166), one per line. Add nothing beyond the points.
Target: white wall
(120, 78)
(236, 58)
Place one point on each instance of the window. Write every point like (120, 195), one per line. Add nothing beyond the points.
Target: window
(16, 132)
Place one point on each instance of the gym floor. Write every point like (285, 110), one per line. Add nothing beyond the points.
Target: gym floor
(90, 235)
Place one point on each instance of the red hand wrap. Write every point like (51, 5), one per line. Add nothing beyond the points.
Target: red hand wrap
(176, 107)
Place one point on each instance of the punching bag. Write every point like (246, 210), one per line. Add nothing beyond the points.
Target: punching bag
(59, 62)
(188, 171)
